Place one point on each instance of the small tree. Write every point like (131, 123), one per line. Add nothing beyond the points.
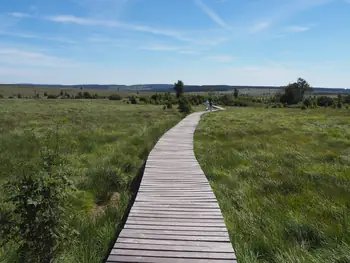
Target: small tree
(133, 100)
(61, 93)
(179, 88)
(235, 93)
(339, 101)
(184, 105)
(45, 94)
(115, 97)
(294, 93)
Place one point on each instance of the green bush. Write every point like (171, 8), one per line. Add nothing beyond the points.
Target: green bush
(45, 94)
(169, 105)
(307, 102)
(133, 100)
(86, 95)
(115, 97)
(324, 101)
(145, 99)
(19, 96)
(51, 96)
(184, 105)
(1, 96)
(38, 220)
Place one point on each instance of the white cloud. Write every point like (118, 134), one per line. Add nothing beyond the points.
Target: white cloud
(260, 27)
(188, 52)
(221, 58)
(298, 28)
(212, 15)
(33, 36)
(15, 56)
(160, 48)
(19, 15)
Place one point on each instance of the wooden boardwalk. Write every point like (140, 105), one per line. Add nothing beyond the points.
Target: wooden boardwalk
(175, 217)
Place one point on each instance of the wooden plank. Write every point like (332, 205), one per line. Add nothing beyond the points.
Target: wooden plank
(165, 247)
(223, 245)
(176, 220)
(116, 258)
(170, 234)
(176, 228)
(175, 254)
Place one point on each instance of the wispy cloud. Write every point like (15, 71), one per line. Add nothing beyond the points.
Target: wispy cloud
(297, 28)
(19, 15)
(160, 48)
(188, 52)
(15, 56)
(111, 23)
(33, 36)
(221, 58)
(260, 27)
(212, 15)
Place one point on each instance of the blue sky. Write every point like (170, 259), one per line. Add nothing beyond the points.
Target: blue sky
(243, 42)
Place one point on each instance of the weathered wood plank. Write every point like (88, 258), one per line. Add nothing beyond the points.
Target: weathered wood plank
(173, 247)
(176, 254)
(115, 258)
(224, 245)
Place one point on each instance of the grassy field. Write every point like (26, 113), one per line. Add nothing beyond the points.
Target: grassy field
(105, 144)
(282, 178)
(7, 91)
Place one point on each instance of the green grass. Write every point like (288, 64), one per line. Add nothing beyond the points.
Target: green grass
(282, 179)
(105, 144)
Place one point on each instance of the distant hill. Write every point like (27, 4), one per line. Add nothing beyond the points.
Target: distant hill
(169, 87)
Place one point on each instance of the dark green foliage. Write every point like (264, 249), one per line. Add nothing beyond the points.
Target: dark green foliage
(339, 101)
(45, 94)
(169, 105)
(87, 95)
(145, 99)
(79, 95)
(195, 99)
(294, 93)
(51, 96)
(235, 93)
(133, 100)
(179, 88)
(303, 234)
(61, 93)
(347, 99)
(38, 220)
(324, 101)
(19, 96)
(184, 105)
(307, 102)
(1, 96)
(115, 97)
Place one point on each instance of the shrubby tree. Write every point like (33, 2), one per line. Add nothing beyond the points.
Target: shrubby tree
(235, 93)
(179, 88)
(339, 101)
(294, 92)
(324, 101)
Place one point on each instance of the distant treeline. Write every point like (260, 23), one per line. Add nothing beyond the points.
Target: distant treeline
(169, 87)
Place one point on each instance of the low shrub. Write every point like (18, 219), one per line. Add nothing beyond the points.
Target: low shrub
(184, 105)
(115, 97)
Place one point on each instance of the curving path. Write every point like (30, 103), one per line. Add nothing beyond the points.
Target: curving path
(175, 217)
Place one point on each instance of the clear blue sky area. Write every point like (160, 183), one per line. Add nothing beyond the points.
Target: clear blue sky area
(255, 42)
